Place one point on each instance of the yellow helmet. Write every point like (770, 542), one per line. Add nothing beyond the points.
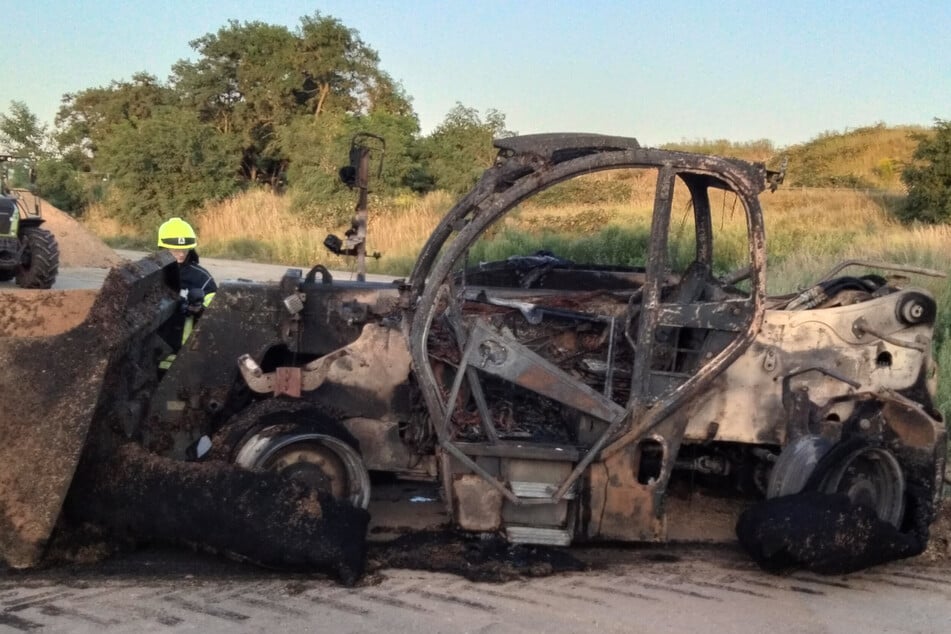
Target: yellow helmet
(177, 234)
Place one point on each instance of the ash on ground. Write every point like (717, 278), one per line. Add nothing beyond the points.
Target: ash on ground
(477, 558)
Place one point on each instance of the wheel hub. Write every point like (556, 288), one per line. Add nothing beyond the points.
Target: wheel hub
(314, 465)
(872, 477)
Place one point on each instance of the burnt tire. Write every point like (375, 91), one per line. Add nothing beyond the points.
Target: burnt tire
(300, 440)
(40, 261)
(868, 474)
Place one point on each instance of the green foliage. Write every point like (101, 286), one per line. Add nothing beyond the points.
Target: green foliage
(144, 241)
(460, 149)
(316, 151)
(87, 118)
(336, 65)
(22, 134)
(928, 178)
(400, 132)
(167, 165)
(256, 81)
(243, 84)
(242, 249)
(589, 191)
(59, 182)
(621, 246)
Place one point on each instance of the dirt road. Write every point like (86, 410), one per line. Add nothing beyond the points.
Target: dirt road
(647, 589)
(80, 277)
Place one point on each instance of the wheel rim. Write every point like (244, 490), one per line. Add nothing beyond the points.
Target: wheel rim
(318, 460)
(872, 477)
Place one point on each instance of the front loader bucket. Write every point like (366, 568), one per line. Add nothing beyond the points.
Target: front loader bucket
(51, 387)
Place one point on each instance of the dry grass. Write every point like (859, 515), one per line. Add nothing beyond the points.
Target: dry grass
(808, 229)
(110, 229)
(262, 226)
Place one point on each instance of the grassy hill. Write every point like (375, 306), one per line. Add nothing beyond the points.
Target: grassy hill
(870, 157)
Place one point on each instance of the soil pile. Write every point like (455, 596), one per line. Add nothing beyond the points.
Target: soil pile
(44, 313)
(78, 247)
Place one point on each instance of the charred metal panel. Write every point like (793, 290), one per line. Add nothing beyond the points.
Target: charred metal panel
(620, 507)
(746, 400)
(383, 449)
(334, 314)
(476, 505)
(730, 315)
(911, 424)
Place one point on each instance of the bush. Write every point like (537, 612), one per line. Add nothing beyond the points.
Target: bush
(59, 182)
(167, 165)
(928, 178)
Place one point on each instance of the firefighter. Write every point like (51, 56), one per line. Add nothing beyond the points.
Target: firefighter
(197, 286)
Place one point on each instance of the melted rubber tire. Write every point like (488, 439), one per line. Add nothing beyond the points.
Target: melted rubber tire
(40, 259)
(261, 517)
(821, 532)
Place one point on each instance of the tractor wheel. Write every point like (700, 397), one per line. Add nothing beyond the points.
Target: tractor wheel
(300, 441)
(870, 476)
(40, 261)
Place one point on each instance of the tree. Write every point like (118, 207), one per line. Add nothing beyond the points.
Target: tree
(166, 165)
(316, 152)
(337, 69)
(928, 177)
(86, 118)
(458, 151)
(59, 182)
(244, 85)
(22, 133)
(253, 80)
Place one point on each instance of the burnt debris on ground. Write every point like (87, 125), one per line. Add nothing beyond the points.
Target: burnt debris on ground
(824, 533)
(488, 559)
(262, 517)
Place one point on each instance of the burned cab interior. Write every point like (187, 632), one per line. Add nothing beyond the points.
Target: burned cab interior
(539, 362)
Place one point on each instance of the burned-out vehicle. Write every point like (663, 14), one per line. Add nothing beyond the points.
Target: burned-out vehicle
(554, 401)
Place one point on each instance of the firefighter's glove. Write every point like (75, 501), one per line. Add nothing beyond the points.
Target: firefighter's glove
(192, 301)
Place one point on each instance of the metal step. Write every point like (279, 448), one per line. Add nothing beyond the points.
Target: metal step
(535, 535)
(539, 490)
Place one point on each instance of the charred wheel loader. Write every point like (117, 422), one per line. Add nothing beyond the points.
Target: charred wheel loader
(659, 396)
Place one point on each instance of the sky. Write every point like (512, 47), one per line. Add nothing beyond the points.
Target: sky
(686, 70)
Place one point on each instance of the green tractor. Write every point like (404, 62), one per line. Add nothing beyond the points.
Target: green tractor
(28, 252)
